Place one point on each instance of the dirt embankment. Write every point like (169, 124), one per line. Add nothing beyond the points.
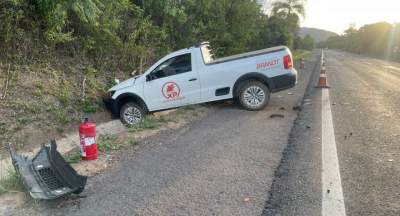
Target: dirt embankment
(45, 99)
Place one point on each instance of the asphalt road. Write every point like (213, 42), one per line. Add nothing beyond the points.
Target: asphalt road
(367, 124)
(365, 103)
(223, 164)
(235, 162)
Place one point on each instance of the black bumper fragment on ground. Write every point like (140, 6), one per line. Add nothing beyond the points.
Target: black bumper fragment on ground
(48, 175)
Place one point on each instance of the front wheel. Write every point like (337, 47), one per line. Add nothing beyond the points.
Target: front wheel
(131, 114)
(254, 95)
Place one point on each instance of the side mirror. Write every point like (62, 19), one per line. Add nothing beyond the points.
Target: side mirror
(149, 77)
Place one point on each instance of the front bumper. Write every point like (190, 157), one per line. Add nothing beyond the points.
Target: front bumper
(285, 81)
(47, 175)
(111, 105)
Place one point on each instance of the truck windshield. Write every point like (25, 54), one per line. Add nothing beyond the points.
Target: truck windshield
(207, 54)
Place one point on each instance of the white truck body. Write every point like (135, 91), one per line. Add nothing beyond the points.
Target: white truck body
(191, 76)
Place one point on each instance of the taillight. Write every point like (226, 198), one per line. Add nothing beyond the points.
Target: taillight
(287, 62)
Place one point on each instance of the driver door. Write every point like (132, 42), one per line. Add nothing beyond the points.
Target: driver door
(172, 84)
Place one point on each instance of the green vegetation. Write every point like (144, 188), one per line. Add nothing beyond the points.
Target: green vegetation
(90, 106)
(11, 182)
(149, 122)
(306, 43)
(189, 107)
(194, 109)
(58, 57)
(378, 39)
(60, 115)
(73, 157)
(107, 143)
(298, 54)
(127, 34)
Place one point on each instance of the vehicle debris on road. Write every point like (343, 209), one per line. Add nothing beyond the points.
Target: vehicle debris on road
(47, 175)
(277, 116)
(297, 108)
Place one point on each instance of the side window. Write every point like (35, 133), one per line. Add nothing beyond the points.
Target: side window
(176, 65)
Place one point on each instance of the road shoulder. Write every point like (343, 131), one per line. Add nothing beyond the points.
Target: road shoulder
(296, 189)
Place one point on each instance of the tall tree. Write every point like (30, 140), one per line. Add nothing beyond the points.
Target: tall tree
(289, 13)
(288, 8)
(379, 39)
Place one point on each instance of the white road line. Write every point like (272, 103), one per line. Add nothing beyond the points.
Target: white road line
(332, 192)
(391, 67)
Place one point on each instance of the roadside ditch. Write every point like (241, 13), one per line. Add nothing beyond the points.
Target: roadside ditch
(112, 138)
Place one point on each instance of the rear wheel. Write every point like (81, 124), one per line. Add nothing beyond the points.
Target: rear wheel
(131, 114)
(254, 95)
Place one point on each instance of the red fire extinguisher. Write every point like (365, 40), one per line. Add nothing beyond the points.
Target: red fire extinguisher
(87, 135)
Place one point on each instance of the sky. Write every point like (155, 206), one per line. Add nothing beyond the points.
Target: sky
(336, 15)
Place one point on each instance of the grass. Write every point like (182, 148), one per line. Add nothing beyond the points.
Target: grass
(39, 90)
(107, 143)
(3, 127)
(73, 157)
(60, 115)
(63, 93)
(149, 122)
(38, 93)
(88, 106)
(297, 54)
(132, 141)
(28, 107)
(23, 120)
(11, 183)
(188, 108)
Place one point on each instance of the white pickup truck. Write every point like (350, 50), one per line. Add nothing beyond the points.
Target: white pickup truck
(192, 75)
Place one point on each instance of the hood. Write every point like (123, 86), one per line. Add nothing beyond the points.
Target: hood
(125, 84)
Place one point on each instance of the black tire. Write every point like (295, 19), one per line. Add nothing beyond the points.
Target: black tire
(254, 95)
(131, 114)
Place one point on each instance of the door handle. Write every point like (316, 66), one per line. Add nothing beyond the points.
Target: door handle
(193, 79)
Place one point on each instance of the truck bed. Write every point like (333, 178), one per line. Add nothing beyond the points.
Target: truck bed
(247, 55)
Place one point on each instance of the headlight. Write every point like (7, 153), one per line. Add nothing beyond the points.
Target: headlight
(109, 94)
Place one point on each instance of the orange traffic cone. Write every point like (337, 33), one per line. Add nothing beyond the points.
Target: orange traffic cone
(302, 63)
(323, 71)
(323, 82)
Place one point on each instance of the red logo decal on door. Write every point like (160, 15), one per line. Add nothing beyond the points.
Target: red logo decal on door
(170, 90)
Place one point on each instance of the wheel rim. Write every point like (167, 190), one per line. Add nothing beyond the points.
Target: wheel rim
(132, 115)
(254, 96)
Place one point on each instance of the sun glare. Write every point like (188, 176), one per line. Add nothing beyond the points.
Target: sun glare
(337, 15)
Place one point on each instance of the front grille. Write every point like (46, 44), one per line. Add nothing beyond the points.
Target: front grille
(49, 179)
